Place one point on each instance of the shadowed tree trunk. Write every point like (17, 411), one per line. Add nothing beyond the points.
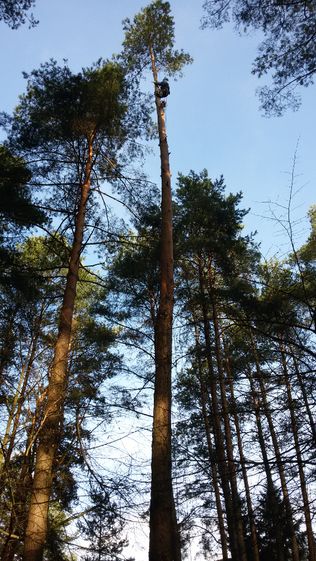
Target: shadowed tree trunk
(294, 427)
(270, 486)
(305, 399)
(210, 448)
(218, 433)
(239, 530)
(253, 532)
(278, 457)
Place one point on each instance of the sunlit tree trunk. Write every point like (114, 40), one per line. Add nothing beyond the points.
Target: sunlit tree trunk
(164, 543)
(51, 428)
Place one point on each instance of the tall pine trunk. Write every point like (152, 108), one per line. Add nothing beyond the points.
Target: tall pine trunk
(277, 530)
(218, 432)
(210, 448)
(294, 427)
(164, 543)
(251, 516)
(239, 529)
(51, 427)
(278, 457)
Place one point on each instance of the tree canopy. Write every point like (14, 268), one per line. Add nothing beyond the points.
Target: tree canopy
(15, 12)
(288, 50)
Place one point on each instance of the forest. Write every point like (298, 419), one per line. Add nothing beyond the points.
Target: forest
(157, 369)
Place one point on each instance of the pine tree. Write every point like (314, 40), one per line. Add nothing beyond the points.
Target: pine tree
(75, 124)
(149, 45)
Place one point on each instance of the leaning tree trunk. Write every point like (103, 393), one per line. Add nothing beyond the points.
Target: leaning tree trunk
(164, 544)
(51, 427)
(19, 490)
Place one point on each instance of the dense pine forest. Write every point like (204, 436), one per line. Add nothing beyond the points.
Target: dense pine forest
(157, 372)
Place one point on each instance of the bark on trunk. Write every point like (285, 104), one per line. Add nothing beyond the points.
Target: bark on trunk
(50, 432)
(306, 402)
(253, 531)
(294, 427)
(211, 452)
(164, 543)
(270, 486)
(278, 457)
(218, 433)
(239, 529)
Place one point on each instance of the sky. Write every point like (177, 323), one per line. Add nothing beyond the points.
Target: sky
(213, 116)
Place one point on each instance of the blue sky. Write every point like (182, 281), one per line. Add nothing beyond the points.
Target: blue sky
(213, 115)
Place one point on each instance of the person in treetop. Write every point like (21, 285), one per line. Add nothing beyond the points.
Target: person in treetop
(162, 88)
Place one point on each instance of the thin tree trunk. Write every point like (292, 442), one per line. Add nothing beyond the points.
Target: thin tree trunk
(8, 344)
(278, 457)
(210, 449)
(19, 398)
(239, 529)
(305, 399)
(294, 427)
(51, 428)
(270, 486)
(218, 433)
(21, 492)
(253, 531)
(164, 542)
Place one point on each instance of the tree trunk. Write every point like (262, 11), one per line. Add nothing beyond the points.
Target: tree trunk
(278, 457)
(51, 428)
(21, 493)
(164, 543)
(306, 402)
(239, 529)
(19, 398)
(218, 433)
(253, 532)
(210, 450)
(270, 486)
(294, 427)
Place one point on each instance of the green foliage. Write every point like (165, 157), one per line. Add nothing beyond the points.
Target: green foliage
(152, 29)
(308, 251)
(17, 212)
(60, 106)
(208, 222)
(14, 12)
(103, 528)
(16, 206)
(273, 529)
(287, 51)
(55, 549)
